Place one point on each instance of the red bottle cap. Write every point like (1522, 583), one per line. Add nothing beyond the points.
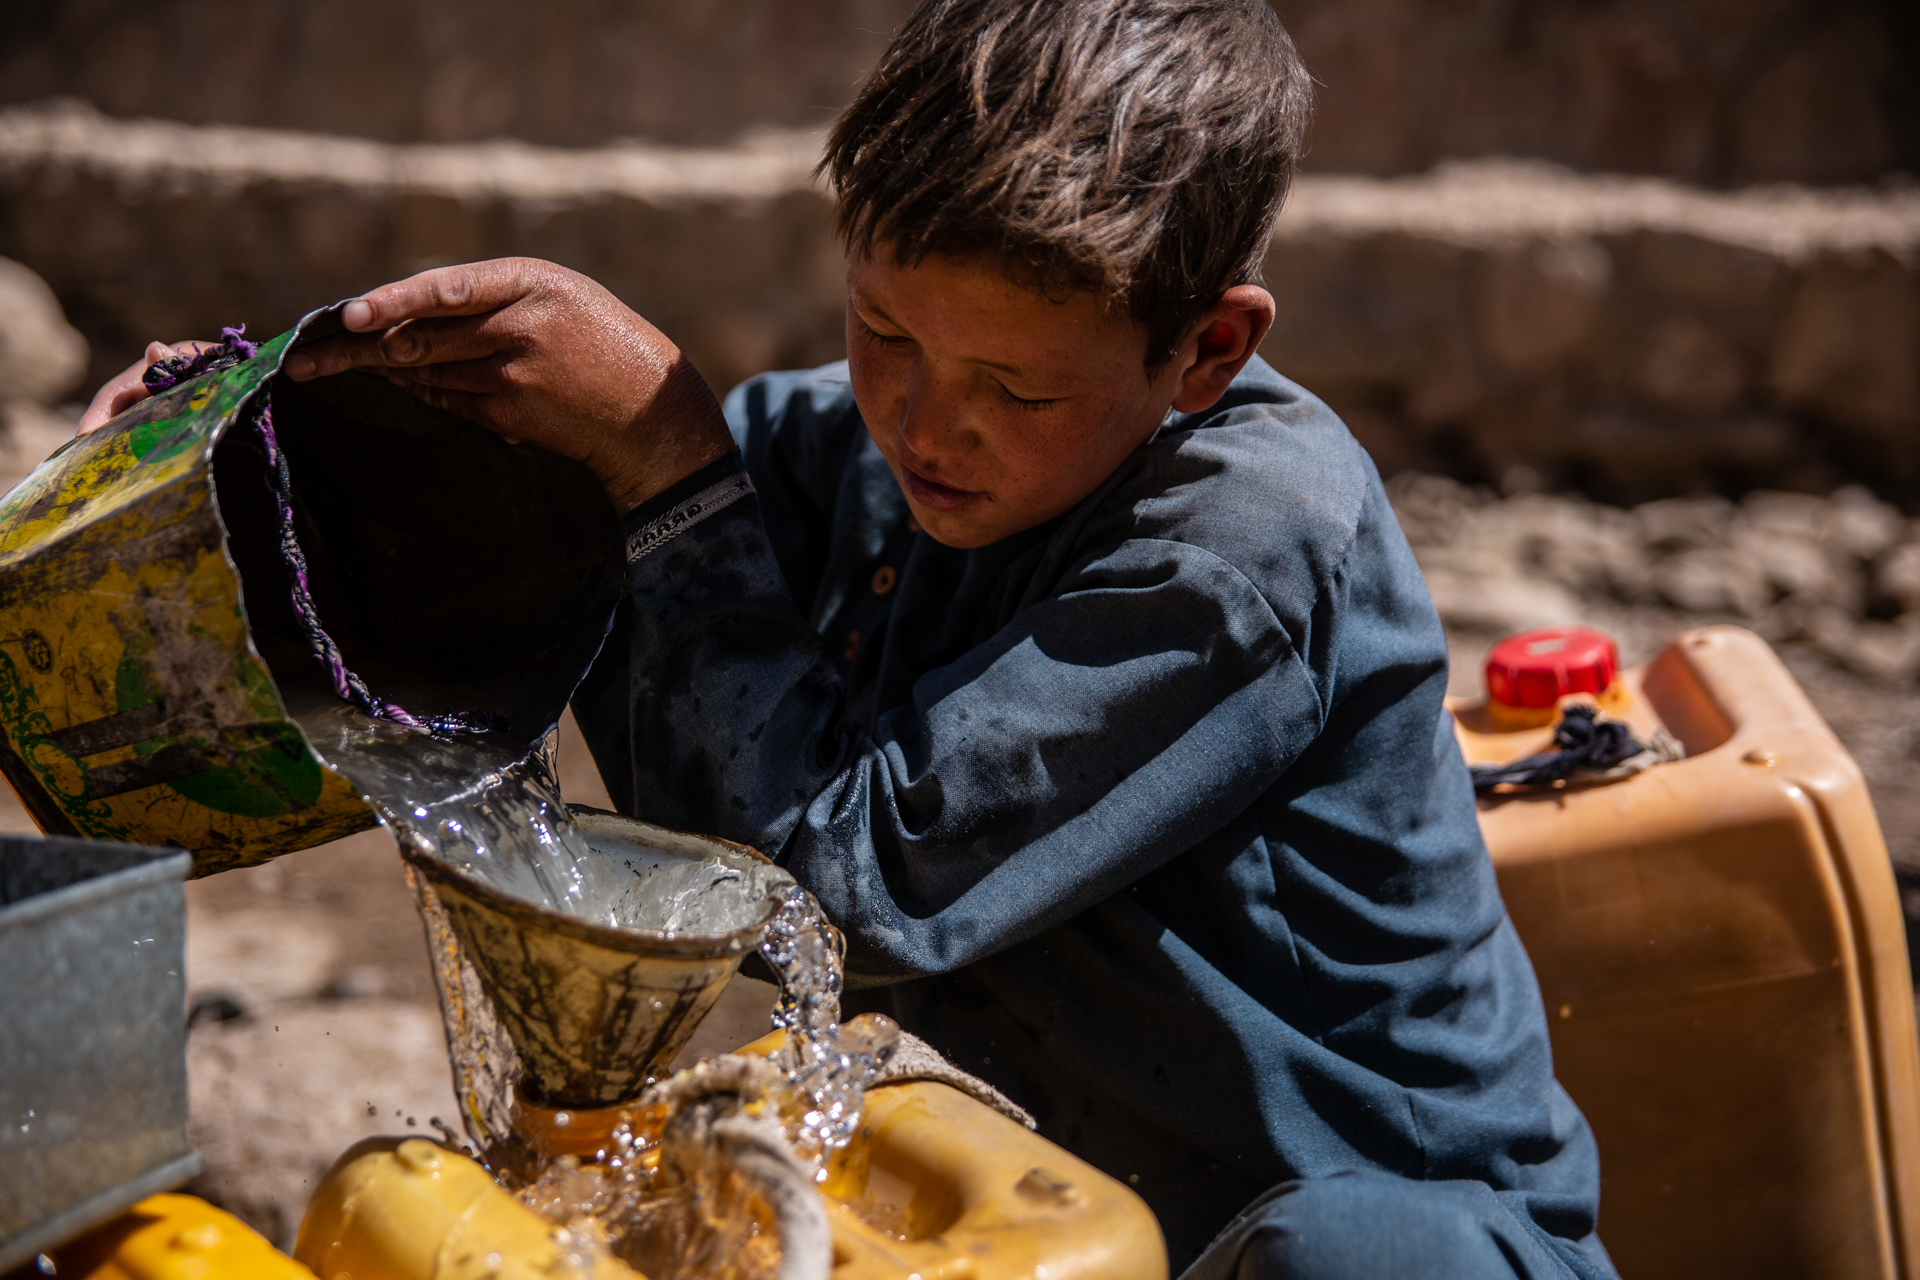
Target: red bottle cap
(1538, 668)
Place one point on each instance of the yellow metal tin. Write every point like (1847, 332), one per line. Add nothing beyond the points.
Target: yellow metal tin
(133, 704)
(152, 668)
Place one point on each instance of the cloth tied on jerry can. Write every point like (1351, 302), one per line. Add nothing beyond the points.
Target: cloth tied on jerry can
(178, 587)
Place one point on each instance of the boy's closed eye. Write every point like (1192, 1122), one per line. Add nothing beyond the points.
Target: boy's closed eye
(884, 339)
(897, 341)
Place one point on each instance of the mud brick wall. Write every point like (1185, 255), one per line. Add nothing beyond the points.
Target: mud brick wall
(1824, 91)
(152, 228)
(1629, 338)
(1821, 91)
(1509, 323)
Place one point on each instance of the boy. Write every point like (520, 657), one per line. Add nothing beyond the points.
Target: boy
(1071, 656)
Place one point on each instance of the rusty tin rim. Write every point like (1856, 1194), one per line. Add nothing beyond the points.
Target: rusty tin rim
(650, 942)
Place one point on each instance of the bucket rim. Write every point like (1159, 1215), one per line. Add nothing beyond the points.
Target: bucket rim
(679, 944)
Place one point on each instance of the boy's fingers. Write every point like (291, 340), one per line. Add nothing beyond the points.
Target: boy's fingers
(480, 377)
(465, 290)
(128, 387)
(414, 344)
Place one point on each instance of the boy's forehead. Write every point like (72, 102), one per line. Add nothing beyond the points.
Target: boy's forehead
(976, 302)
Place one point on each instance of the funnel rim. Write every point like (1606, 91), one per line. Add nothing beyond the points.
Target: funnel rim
(679, 944)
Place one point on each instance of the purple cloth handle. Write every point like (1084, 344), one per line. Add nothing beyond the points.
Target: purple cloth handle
(234, 349)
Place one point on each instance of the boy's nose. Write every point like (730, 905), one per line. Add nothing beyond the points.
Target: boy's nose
(931, 418)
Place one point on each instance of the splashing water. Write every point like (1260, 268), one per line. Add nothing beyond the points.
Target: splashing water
(829, 1065)
(477, 802)
(670, 1201)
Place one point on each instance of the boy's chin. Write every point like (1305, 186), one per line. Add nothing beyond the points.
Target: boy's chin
(962, 531)
(969, 530)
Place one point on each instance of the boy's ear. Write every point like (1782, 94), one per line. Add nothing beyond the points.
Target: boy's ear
(1219, 346)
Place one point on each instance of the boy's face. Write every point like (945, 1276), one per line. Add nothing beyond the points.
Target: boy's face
(997, 408)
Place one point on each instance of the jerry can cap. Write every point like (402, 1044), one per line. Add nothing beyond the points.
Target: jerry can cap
(1538, 668)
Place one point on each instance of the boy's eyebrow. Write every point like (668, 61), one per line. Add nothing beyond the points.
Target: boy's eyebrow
(865, 303)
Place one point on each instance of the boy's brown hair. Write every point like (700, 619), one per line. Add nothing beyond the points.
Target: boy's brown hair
(1138, 148)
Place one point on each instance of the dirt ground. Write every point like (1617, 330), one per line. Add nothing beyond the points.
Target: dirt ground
(314, 1023)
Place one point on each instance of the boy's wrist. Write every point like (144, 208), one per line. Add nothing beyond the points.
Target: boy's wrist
(679, 431)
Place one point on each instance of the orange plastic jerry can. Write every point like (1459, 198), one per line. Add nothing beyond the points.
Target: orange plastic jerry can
(1722, 955)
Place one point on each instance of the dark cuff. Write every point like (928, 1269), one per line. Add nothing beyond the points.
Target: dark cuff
(665, 516)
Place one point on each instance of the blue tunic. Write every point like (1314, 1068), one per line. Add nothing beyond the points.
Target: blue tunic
(1151, 815)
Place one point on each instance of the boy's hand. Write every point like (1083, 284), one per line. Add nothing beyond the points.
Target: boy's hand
(542, 354)
(126, 389)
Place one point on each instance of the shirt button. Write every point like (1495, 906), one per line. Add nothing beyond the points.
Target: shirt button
(853, 645)
(884, 579)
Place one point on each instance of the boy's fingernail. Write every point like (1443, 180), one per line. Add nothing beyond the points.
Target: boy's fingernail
(299, 367)
(358, 314)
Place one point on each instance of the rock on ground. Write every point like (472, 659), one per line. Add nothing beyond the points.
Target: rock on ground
(42, 357)
(1829, 581)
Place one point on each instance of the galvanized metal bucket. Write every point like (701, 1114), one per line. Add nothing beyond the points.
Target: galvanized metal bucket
(93, 1029)
(149, 653)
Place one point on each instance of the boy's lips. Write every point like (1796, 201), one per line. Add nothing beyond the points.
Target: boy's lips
(936, 496)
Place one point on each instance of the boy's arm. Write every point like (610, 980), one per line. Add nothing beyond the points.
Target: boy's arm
(1101, 732)
(794, 430)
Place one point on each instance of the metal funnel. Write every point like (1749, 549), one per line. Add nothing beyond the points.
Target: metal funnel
(592, 1010)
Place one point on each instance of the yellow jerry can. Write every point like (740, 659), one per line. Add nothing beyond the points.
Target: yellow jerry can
(1723, 960)
(173, 1237)
(935, 1184)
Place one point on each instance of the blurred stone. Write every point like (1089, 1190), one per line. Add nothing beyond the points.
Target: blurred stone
(1431, 508)
(1801, 515)
(1861, 523)
(1500, 605)
(563, 72)
(1879, 650)
(1592, 550)
(42, 357)
(1814, 107)
(1629, 338)
(1795, 564)
(1849, 345)
(149, 229)
(1713, 580)
(1691, 369)
(1713, 93)
(1543, 301)
(1676, 523)
(1896, 577)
